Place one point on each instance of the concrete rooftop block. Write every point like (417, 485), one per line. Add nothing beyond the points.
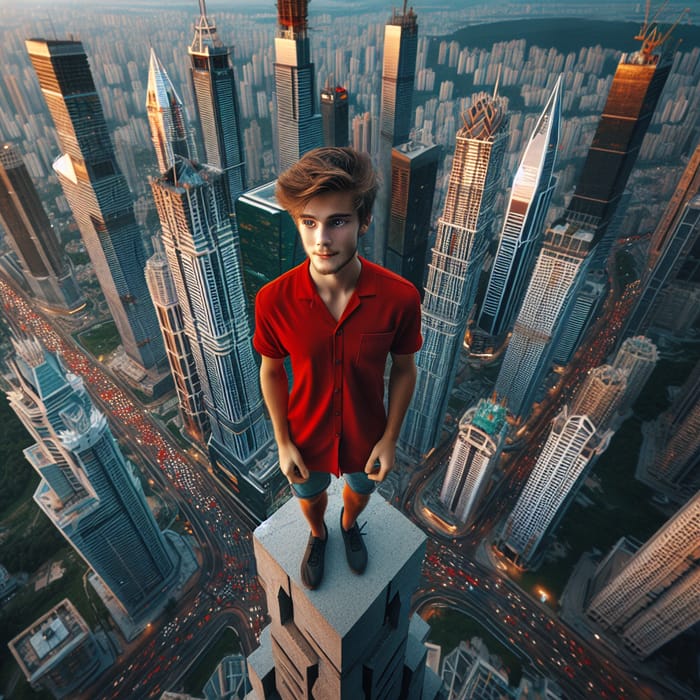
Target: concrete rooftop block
(345, 616)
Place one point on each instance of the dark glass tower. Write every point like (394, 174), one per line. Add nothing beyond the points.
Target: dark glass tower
(48, 273)
(414, 168)
(98, 194)
(216, 100)
(270, 242)
(334, 113)
(298, 121)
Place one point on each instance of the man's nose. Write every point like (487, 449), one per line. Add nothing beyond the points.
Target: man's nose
(322, 235)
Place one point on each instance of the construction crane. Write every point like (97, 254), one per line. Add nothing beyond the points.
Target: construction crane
(650, 35)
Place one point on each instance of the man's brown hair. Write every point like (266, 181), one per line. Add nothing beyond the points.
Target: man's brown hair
(329, 169)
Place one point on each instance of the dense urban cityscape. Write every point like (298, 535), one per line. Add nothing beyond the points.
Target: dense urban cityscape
(539, 170)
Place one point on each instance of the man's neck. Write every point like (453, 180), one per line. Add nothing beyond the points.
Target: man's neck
(343, 281)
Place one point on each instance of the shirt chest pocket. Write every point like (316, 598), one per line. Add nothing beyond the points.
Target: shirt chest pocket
(374, 348)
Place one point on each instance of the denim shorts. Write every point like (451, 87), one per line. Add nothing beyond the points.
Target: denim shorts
(318, 482)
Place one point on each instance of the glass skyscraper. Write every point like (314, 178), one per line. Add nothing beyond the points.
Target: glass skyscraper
(414, 169)
(47, 271)
(520, 240)
(98, 194)
(216, 101)
(299, 126)
(463, 235)
(334, 113)
(88, 490)
(201, 244)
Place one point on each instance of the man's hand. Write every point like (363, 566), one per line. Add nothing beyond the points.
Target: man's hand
(383, 452)
(292, 464)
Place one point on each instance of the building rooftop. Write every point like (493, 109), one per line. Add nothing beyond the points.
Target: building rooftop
(489, 417)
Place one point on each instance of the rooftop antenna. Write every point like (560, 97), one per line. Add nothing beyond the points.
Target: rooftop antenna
(498, 80)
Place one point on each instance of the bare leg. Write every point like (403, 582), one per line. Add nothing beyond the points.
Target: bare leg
(353, 505)
(314, 509)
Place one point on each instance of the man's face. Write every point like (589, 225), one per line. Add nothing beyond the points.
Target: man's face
(330, 228)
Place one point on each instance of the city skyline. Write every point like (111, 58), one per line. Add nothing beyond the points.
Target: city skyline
(554, 456)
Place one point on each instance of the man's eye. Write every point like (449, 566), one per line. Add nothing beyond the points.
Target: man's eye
(308, 223)
(339, 222)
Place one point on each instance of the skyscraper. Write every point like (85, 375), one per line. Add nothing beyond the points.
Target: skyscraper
(202, 247)
(676, 271)
(88, 490)
(177, 346)
(334, 114)
(527, 359)
(398, 75)
(395, 118)
(98, 194)
(530, 195)
(270, 243)
(166, 117)
(566, 458)
(414, 167)
(477, 448)
(637, 357)
(656, 595)
(552, 305)
(216, 100)
(47, 271)
(298, 121)
(463, 235)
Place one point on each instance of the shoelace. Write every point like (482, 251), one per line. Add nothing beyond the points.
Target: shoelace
(356, 536)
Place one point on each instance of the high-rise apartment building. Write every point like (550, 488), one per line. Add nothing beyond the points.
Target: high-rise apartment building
(396, 113)
(46, 269)
(656, 595)
(463, 235)
(521, 236)
(477, 448)
(414, 167)
(637, 357)
(166, 117)
(335, 116)
(567, 456)
(551, 287)
(299, 126)
(362, 132)
(88, 490)
(270, 243)
(216, 101)
(98, 194)
(600, 395)
(177, 347)
(202, 248)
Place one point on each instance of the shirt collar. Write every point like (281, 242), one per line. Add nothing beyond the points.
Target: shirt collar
(366, 282)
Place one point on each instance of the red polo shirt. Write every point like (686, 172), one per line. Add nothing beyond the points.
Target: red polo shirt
(336, 406)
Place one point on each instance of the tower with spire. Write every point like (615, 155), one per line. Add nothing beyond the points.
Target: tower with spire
(166, 117)
(216, 101)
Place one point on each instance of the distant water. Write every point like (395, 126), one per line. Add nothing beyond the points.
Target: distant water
(567, 35)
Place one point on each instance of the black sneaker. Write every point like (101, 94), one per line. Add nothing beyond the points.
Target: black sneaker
(312, 563)
(355, 550)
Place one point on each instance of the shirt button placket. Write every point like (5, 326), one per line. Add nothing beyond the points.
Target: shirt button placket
(338, 382)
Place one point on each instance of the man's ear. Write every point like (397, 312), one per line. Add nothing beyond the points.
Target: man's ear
(365, 225)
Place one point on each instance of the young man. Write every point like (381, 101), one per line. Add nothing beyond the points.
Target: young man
(337, 317)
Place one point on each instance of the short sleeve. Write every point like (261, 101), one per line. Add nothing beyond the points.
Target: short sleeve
(408, 339)
(266, 339)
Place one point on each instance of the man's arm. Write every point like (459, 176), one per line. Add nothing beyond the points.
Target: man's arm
(275, 391)
(402, 380)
